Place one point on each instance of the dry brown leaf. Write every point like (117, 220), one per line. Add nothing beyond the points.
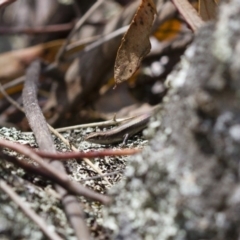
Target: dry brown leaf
(207, 9)
(135, 44)
(189, 13)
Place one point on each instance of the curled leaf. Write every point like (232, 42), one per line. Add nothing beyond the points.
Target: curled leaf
(135, 43)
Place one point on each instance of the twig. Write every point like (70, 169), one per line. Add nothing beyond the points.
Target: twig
(76, 28)
(92, 154)
(32, 110)
(13, 82)
(96, 124)
(37, 30)
(83, 41)
(29, 212)
(105, 38)
(12, 101)
(79, 44)
(52, 173)
(45, 142)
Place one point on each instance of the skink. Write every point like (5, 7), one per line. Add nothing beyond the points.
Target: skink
(121, 132)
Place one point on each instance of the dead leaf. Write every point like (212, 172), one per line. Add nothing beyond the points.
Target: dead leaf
(135, 44)
(189, 13)
(207, 9)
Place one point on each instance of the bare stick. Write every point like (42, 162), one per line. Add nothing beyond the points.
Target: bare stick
(76, 28)
(29, 212)
(96, 124)
(12, 101)
(92, 154)
(45, 142)
(103, 39)
(14, 82)
(37, 30)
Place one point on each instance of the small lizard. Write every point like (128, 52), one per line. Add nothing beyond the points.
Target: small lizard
(120, 133)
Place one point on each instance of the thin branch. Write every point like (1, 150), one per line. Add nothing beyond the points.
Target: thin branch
(96, 124)
(32, 110)
(37, 30)
(106, 38)
(29, 212)
(14, 82)
(45, 142)
(76, 28)
(92, 154)
(103, 39)
(12, 101)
